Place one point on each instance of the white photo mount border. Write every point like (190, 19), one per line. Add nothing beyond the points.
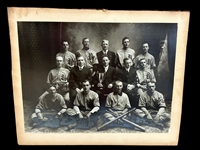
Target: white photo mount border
(78, 15)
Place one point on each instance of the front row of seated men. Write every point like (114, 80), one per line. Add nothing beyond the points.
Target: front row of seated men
(78, 93)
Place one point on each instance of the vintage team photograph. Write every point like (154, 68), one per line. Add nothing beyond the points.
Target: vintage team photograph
(97, 77)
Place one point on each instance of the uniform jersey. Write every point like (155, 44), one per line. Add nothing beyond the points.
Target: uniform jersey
(121, 54)
(90, 57)
(56, 76)
(87, 102)
(150, 60)
(48, 102)
(154, 101)
(117, 102)
(69, 59)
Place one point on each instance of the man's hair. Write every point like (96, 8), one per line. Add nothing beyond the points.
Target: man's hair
(105, 40)
(117, 81)
(125, 39)
(104, 55)
(77, 54)
(51, 87)
(151, 82)
(60, 57)
(141, 59)
(126, 58)
(84, 39)
(145, 43)
(64, 40)
(86, 80)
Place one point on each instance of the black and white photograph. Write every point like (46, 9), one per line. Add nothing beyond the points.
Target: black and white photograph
(97, 77)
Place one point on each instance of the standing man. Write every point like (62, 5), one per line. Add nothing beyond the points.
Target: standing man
(150, 60)
(117, 102)
(59, 78)
(88, 54)
(77, 75)
(125, 52)
(153, 101)
(104, 79)
(126, 75)
(69, 57)
(106, 51)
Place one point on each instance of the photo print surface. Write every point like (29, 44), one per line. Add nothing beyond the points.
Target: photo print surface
(40, 42)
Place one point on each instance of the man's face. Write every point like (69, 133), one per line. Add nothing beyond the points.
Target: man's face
(59, 61)
(151, 87)
(145, 48)
(126, 43)
(118, 87)
(105, 61)
(65, 45)
(80, 61)
(86, 43)
(128, 63)
(105, 45)
(86, 86)
(52, 90)
(143, 63)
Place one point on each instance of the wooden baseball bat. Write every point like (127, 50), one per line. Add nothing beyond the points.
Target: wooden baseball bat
(134, 124)
(109, 122)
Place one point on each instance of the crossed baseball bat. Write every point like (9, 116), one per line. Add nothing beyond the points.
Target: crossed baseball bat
(134, 124)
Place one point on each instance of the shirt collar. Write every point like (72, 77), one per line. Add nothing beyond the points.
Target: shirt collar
(106, 68)
(127, 69)
(115, 93)
(80, 68)
(105, 52)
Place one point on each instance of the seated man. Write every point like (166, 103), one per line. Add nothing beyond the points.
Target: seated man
(58, 78)
(51, 102)
(103, 79)
(77, 75)
(86, 103)
(143, 75)
(151, 102)
(117, 102)
(126, 75)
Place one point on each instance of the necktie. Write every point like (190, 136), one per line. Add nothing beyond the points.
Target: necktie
(80, 68)
(106, 69)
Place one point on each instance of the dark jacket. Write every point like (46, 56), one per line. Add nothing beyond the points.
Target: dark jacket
(77, 77)
(126, 77)
(111, 56)
(109, 77)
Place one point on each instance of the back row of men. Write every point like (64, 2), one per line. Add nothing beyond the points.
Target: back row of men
(93, 59)
(100, 71)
